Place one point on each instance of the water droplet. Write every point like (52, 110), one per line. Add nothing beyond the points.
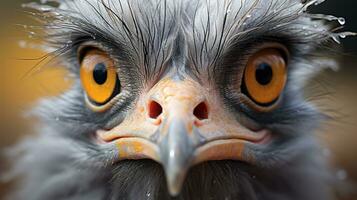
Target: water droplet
(317, 2)
(343, 35)
(248, 16)
(148, 194)
(312, 2)
(341, 20)
(31, 34)
(56, 13)
(36, 6)
(22, 44)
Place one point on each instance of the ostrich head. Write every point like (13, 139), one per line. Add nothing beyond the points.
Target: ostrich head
(198, 99)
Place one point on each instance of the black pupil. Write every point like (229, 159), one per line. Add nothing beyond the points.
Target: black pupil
(263, 73)
(100, 73)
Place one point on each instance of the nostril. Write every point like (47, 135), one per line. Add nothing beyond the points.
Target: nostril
(155, 109)
(201, 111)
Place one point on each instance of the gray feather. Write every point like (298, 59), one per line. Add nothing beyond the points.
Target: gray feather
(62, 163)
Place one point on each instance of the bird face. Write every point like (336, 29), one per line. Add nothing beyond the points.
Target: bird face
(183, 83)
(181, 121)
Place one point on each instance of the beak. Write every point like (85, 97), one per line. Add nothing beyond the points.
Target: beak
(180, 123)
(176, 153)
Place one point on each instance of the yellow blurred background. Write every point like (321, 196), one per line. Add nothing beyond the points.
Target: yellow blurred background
(20, 90)
(20, 86)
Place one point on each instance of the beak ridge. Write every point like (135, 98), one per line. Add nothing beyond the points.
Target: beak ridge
(176, 153)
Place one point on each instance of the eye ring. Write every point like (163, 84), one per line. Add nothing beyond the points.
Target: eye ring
(265, 76)
(99, 78)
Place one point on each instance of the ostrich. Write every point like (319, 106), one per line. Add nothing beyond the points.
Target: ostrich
(186, 99)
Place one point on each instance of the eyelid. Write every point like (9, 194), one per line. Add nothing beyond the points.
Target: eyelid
(89, 46)
(274, 45)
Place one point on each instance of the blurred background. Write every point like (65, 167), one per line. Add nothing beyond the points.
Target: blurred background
(333, 92)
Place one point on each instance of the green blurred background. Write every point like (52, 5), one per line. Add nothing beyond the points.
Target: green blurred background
(335, 93)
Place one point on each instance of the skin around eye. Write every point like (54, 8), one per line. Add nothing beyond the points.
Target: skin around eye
(98, 76)
(265, 76)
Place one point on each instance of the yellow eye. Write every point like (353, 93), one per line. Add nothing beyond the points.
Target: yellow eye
(99, 77)
(265, 76)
